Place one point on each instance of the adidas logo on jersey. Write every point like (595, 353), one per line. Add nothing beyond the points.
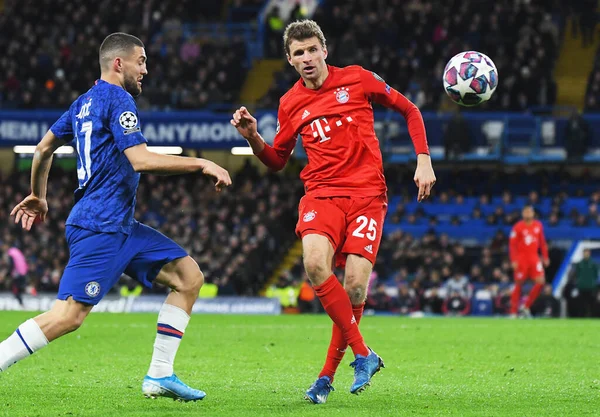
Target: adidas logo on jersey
(305, 114)
(369, 248)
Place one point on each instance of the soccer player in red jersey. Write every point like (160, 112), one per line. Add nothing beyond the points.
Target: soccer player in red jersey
(341, 216)
(526, 240)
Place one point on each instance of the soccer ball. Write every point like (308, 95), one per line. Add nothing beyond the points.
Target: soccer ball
(470, 78)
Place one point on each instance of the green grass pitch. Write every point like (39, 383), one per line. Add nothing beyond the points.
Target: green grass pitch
(260, 366)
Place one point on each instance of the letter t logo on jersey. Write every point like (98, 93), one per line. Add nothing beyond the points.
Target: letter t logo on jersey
(321, 130)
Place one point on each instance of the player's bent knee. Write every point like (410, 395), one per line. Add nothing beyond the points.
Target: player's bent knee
(316, 269)
(190, 277)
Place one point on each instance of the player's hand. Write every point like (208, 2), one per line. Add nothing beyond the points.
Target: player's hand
(245, 123)
(221, 176)
(424, 176)
(29, 209)
(514, 265)
(546, 263)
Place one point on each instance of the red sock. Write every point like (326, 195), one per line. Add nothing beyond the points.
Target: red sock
(337, 305)
(338, 345)
(533, 294)
(515, 298)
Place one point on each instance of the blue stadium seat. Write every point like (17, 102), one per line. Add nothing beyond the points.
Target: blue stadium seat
(482, 307)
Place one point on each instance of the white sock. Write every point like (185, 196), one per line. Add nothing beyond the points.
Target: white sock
(28, 338)
(172, 322)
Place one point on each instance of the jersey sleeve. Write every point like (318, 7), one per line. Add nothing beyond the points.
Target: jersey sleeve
(124, 122)
(63, 128)
(276, 156)
(377, 90)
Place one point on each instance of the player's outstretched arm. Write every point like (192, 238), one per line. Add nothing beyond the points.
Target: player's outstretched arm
(246, 125)
(274, 157)
(35, 204)
(144, 161)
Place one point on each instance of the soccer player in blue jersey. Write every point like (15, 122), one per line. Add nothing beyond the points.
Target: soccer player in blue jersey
(104, 239)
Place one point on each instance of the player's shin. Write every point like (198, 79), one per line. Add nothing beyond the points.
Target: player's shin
(337, 305)
(338, 345)
(515, 298)
(172, 322)
(27, 339)
(533, 294)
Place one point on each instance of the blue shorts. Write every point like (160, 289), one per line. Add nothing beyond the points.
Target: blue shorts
(98, 259)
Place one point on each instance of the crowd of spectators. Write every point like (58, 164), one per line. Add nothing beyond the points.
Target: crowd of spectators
(50, 57)
(432, 275)
(408, 43)
(237, 236)
(240, 236)
(50, 52)
(577, 208)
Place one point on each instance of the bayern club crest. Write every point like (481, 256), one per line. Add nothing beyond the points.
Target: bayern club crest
(342, 95)
(309, 216)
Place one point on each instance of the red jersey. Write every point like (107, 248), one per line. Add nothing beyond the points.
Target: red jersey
(336, 124)
(526, 240)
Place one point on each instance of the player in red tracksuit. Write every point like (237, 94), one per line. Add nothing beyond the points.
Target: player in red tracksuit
(341, 216)
(526, 240)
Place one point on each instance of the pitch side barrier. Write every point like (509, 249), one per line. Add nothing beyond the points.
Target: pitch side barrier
(151, 304)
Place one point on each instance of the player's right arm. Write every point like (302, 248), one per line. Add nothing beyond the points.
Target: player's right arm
(276, 156)
(35, 204)
(145, 161)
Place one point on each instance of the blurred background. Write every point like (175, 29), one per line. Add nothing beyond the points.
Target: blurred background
(537, 141)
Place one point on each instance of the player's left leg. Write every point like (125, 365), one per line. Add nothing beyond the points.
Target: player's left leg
(540, 280)
(362, 239)
(162, 260)
(355, 285)
(520, 275)
(184, 278)
(358, 271)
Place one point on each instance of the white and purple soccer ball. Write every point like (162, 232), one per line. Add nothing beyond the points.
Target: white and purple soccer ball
(470, 78)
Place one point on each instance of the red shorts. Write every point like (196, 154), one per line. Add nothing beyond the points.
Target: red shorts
(353, 225)
(529, 268)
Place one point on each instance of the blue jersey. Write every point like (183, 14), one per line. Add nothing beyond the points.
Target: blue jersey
(101, 124)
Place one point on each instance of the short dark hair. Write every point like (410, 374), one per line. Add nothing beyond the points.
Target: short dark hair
(301, 30)
(116, 43)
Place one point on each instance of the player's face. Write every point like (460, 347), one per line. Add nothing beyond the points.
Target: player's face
(528, 214)
(308, 57)
(134, 71)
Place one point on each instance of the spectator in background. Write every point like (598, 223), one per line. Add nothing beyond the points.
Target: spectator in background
(577, 137)
(459, 284)
(502, 300)
(307, 299)
(546, 305)
(379, 300)
(407, 301)
(456, 305)
(298, 12)
(275, 26)
(457, 138)
(586, 282)
(18, 268)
